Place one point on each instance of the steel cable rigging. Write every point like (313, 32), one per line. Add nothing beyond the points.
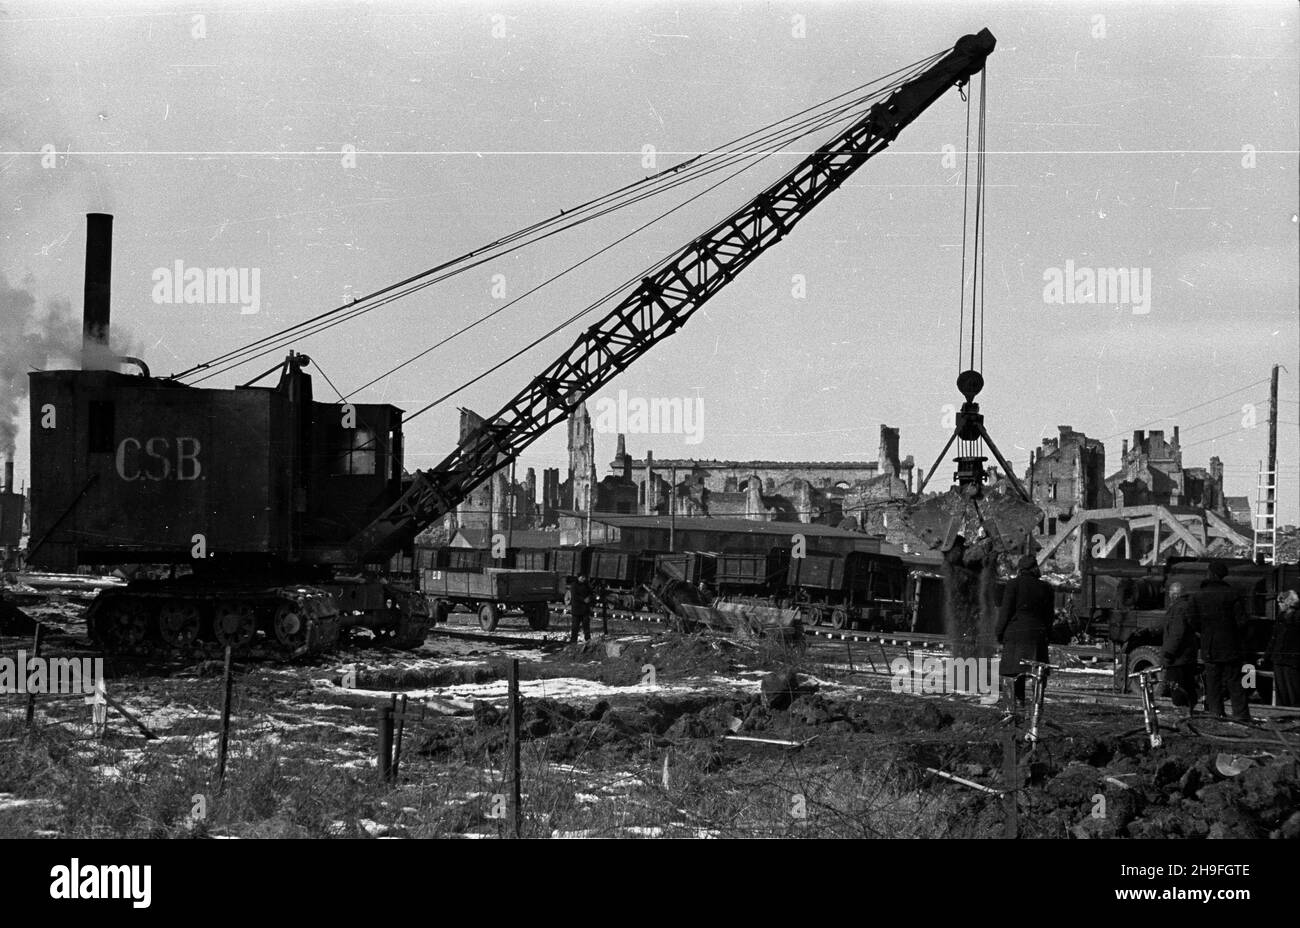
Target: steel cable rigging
(801, 124)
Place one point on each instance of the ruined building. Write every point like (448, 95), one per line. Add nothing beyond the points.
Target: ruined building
(1151, 472)
(1066, 474)
(826, 492)
(578, 490)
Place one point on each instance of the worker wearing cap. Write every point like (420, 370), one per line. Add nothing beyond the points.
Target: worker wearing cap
(1028, 610)
(1179, 645)
(1218, 614)
(1284, 649)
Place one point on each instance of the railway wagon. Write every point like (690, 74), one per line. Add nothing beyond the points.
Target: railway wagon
(491, 593)
(689, 566)
(571, 561)
(853, 589)
(762, 575)
(675, 566)
(532, 559)
(619, 578)
(469, 559)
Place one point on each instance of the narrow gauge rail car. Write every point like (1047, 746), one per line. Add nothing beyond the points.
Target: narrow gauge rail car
(622, 578)
(532, 559)
(846, 590)
(762, 576)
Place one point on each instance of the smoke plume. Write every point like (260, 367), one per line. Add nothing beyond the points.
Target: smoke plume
(37, 338)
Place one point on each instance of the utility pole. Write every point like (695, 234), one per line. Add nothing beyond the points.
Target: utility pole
(510, 514)
(491, 515)
(591, 499)
(1272, 445)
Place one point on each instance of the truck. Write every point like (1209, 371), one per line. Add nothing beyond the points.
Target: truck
(491, 593)
(1127, 602)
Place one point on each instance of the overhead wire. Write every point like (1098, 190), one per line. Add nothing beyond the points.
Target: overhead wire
(653, 268)
(693, 169)
(826, 119)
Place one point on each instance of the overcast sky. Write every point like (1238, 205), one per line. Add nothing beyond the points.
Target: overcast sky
(1118, 138)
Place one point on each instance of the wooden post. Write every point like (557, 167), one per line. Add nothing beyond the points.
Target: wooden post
(36, 652)
(397, 744)
(225, 724)
(1010, 785)
(515, 812)
(384, 718)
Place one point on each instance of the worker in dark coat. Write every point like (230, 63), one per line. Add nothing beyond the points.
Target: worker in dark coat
(1179, 645)
(1284, 649)
(580, 600)
(1028, 610)
(1217, 612)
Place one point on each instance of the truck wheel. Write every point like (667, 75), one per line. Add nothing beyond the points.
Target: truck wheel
(440, 611)
(539, 617)
(1140, 658)
(840, 618)
(488, 616)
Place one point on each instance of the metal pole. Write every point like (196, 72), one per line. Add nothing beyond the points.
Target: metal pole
(36, 652)
(513, 696)
(225, 724)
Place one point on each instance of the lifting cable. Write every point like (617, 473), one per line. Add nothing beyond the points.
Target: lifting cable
(804, 122)
(976, 240)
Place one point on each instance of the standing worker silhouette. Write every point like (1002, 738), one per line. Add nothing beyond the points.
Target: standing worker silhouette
(579, 597)
(1217, 612)
(1028, 609)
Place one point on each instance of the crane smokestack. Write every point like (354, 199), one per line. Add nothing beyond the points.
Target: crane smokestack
(99, 273)
(9, 477)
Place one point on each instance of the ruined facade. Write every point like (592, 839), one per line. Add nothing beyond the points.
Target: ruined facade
(1066, 474)
(821, 492)
(1151, 473)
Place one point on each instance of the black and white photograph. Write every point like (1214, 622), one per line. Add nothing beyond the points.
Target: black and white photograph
(354, 488)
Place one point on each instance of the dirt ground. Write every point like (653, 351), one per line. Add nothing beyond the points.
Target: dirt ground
(645, 732)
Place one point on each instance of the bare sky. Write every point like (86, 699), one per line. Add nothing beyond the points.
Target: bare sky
(1114, 143)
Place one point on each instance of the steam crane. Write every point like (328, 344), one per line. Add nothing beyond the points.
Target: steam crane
(661, 304)
(280, 508)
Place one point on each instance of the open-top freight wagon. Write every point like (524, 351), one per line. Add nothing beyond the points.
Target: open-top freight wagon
(751, 574)
(847, 590)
